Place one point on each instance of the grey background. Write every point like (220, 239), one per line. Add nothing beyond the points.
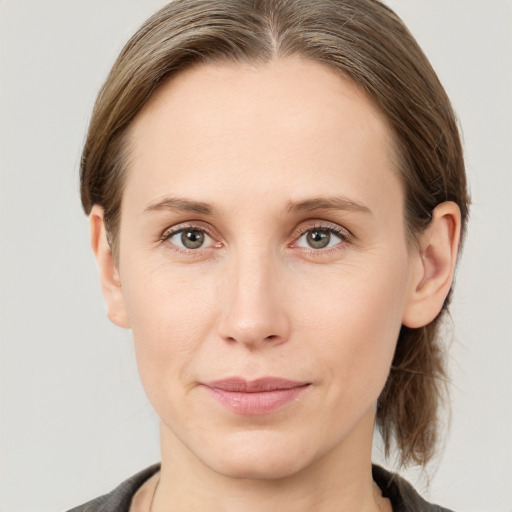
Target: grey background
(74, 420)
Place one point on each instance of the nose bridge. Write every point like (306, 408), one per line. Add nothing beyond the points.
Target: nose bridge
(253, 312)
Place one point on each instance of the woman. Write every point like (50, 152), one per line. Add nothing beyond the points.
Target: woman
(277, 196)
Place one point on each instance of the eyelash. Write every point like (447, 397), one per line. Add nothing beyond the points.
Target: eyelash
(343, 234)
(169, 233)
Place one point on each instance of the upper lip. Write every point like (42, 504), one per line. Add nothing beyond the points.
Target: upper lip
(241, 385)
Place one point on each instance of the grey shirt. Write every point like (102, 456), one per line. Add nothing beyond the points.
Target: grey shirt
(401, 494)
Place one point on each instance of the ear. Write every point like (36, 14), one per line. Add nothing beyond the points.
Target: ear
(109, 274)
(435, 266)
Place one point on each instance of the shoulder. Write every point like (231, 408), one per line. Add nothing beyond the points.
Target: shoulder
(120, 498)
(401, 493)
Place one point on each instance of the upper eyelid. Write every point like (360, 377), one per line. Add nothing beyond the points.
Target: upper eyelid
(194, 225)
(327, 225)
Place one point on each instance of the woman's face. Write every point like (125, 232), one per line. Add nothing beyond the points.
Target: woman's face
(263, 264)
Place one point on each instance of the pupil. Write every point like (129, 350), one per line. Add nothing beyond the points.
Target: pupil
(318, 239)
(192, 239)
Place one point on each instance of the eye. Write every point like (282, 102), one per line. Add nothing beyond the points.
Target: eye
(320, 238)
(188, 238)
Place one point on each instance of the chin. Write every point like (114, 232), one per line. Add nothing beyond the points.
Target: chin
(258, 457)
(257, 467)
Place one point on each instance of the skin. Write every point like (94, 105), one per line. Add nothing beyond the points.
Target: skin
(257, 144)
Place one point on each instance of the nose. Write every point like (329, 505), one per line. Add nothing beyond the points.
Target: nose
(253, 306)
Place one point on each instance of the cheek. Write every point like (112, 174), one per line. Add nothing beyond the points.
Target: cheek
(171, 312)
(354, 323)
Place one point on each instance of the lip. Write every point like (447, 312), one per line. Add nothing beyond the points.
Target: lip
(255, 397)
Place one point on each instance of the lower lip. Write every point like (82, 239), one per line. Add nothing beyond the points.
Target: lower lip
(256, 403)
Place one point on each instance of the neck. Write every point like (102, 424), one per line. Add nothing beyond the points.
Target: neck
(339, 480)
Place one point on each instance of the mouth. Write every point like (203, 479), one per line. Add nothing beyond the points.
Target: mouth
(255, 397)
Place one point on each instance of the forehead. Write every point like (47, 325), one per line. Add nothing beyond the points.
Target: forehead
(286, 124)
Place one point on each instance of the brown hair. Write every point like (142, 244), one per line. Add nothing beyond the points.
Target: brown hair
(361, 39)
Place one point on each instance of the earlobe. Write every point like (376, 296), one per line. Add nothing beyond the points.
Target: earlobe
(108, 271)
(435, 266)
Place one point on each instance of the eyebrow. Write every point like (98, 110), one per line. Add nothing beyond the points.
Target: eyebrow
(326, 203)
(179, 204)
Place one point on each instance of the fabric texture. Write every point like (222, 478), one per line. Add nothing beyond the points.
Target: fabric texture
(402, 495)
(120, 498)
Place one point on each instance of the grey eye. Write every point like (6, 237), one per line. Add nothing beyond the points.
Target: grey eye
(192, 239)
(318, 238)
